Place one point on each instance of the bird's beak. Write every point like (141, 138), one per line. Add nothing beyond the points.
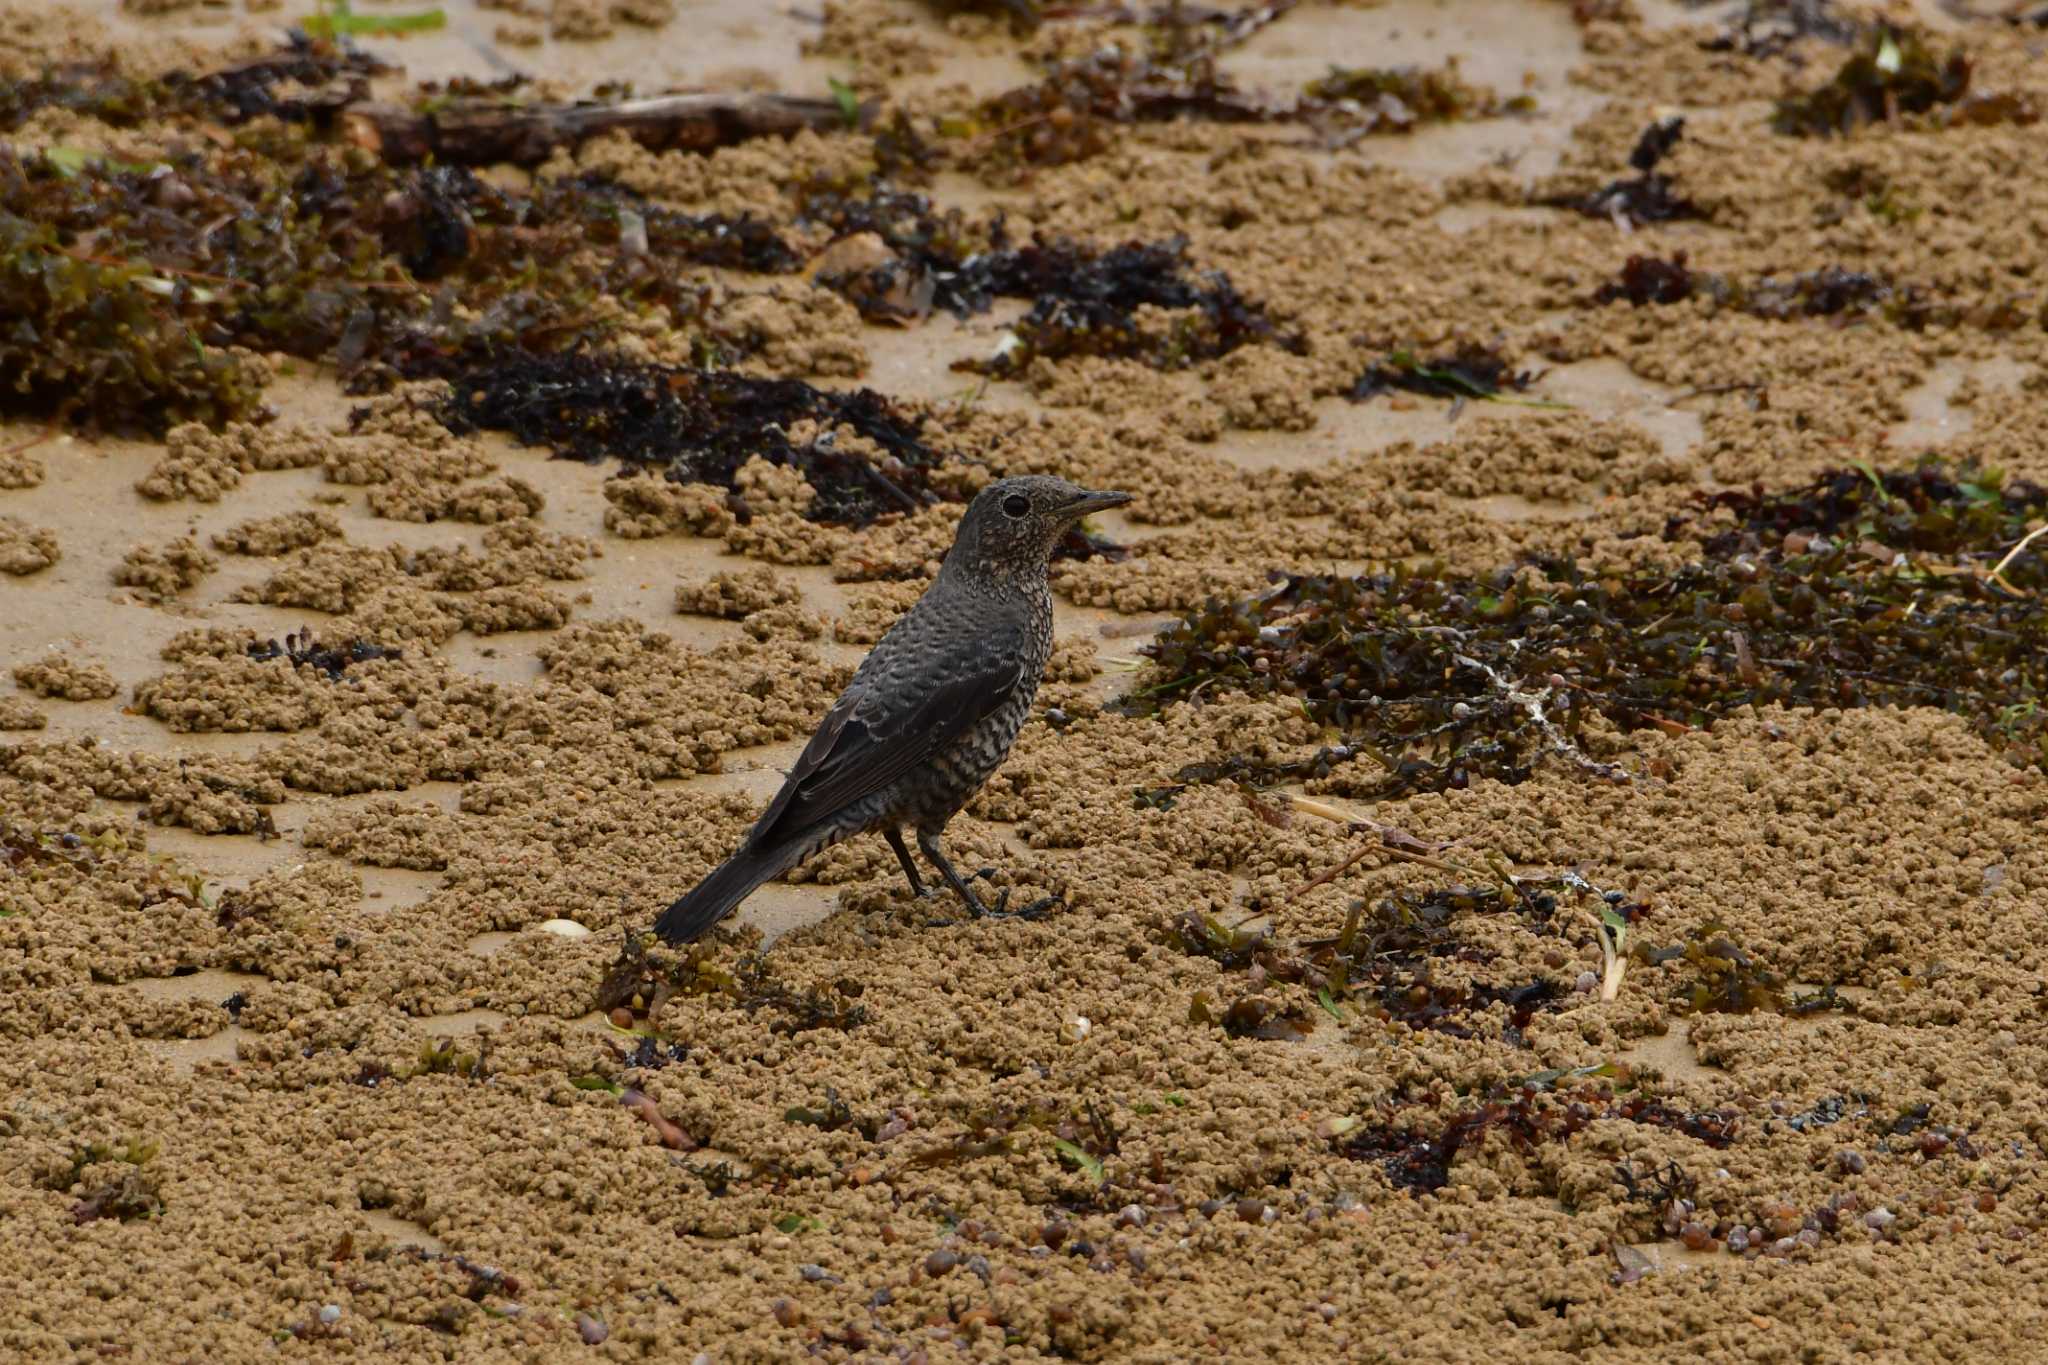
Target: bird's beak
(1096, 502)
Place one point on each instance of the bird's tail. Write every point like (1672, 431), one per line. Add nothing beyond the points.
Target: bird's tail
(731, 882)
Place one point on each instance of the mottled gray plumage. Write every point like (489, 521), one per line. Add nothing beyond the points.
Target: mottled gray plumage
(930, 714)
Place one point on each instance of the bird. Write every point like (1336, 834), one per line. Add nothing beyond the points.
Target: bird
(930, 714)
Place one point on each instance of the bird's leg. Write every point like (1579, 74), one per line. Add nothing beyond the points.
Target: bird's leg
(895, 838)
(929, 843)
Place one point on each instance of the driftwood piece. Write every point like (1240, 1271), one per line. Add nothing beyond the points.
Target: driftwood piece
(479, 133)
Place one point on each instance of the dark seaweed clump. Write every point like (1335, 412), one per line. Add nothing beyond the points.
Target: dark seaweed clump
(1648, 196)
(1368, 100)
(646, 975)
(1070, 114)
(1826, 292)
(1897, 73)
(701, 425)
(1766, 28)
(1471, 371)
(1855, 590)
(1831, 291)
(1024, 15)
(1384, 959)
(938, 260)
(304, 82)
(1727, 981)
(1084, 298)
(305, 651)
(1527, 1116)
(129, 287)
(1087, 301)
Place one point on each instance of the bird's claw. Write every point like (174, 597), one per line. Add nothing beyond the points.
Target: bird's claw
(1037, 910)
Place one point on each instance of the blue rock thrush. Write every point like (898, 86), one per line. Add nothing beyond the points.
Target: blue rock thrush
(930, 714)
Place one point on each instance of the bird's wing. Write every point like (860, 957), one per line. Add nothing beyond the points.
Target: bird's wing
(875, 732)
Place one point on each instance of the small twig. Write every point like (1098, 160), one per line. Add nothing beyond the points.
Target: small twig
(1998, 573)
(1359, 824)
(49, 433)
(974, 142)
(1329, 875)
(90, 259)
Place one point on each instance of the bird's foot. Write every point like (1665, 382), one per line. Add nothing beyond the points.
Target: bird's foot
(1036, 910)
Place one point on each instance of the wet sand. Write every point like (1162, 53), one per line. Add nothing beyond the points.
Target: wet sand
(293, 977)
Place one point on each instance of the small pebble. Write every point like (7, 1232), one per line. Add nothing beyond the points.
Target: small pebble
(591, 1330)
(940, 1262)
(1587, 983)
(622, 1017)
(1251, 1210)
(330, 1313)
(1877, 1220)
(1987, 1202)
(1850, 1161)
(1131, 1216)
(787, 1314)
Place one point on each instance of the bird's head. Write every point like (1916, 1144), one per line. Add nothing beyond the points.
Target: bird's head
(1013, 526)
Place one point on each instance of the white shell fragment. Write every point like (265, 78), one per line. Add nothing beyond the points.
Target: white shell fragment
(565, 928)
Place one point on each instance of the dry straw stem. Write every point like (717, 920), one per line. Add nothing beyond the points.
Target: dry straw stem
(1358, 824)
(1998, 573)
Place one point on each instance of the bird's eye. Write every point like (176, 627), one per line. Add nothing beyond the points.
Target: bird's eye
(1016, 505)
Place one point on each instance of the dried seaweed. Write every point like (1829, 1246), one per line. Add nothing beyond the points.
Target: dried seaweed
(1766, 28)
(1086, 303)
(1897, 73)
(307, 81)
(1645, 197)
(1383, 960)
(1527, 1116)
(1471, 371)
(99, 335)
(1367, 100)
(798, 1009)
(132, 285)
(126, 1195)
(935, 260)
(646, 975)
(702, 426)
(1071, 113)
(1727, 979)
(1826, 292)
(305, 651)
(1855, 590)
(1024, 15)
